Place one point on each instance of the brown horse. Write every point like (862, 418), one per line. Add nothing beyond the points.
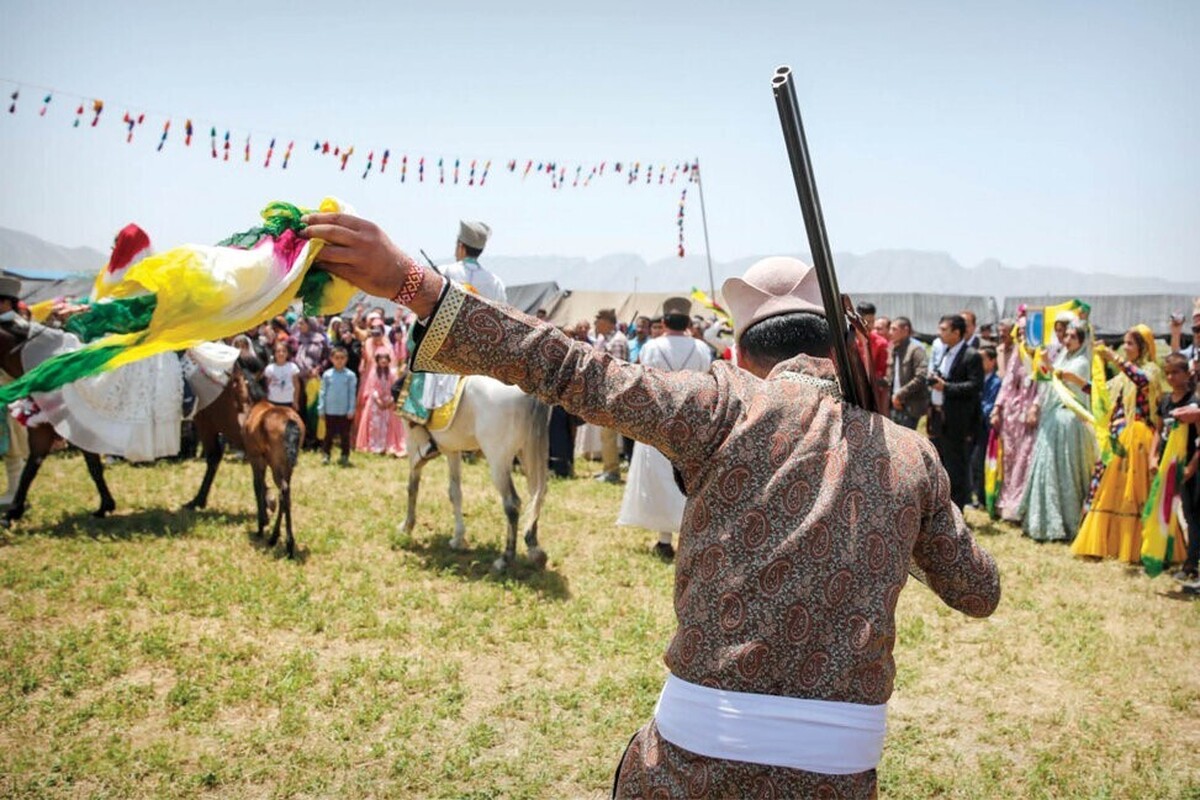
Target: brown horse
(217, 420)
(272, 435)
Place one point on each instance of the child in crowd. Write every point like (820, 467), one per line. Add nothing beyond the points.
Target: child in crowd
(987, 401)
(283, 378)
(335, 404)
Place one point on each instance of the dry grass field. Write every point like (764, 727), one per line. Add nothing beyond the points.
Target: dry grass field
(164, 654)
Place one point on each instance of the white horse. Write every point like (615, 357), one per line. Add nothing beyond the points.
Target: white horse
(505, 423)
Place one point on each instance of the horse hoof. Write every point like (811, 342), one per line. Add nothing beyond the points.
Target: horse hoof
(538, 556)
(5, 523)
(192, 505)
(500, 565)
(458, 543)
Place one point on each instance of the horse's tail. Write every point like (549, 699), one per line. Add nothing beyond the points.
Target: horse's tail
(536, 456)
(291, 441)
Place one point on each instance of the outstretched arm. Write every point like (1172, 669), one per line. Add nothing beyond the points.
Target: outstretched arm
(685, 415)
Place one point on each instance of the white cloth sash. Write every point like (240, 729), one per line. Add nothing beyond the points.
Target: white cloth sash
(823, 736)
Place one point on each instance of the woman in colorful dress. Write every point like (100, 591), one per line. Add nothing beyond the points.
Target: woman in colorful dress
(1113, 525)
(1065, 451)
(380, 430)
(1015, 419)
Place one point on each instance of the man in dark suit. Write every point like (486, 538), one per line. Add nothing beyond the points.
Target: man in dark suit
(957, 382)
(907, 370)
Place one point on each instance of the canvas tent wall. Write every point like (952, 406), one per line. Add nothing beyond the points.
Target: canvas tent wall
(36, 290)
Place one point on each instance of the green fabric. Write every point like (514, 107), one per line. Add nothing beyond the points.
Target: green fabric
(277, 218)
(127, 315)
(59, 371)
(311, 289)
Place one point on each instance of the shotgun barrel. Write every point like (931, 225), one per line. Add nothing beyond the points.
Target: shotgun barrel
(818, 241)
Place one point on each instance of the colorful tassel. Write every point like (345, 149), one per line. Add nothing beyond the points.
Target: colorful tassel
(270, 152)
(163, 139)
(188, 130)
(12, 109)
(97, 109)
(45, 105)
(287, 154)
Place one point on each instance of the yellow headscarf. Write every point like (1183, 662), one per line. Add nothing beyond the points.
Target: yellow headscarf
(1147, 362)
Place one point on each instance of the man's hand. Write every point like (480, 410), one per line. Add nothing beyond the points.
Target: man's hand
(939, 383)
(896, 404)
(359, 251)
(1187, 414)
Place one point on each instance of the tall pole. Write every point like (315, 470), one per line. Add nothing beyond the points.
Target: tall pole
(712, 284)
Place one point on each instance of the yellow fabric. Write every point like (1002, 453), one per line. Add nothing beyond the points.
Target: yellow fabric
(442, 417)
(1052, 313)
(1113, 526)
(40, 312)
(201, 300)
(1161, 532)
(1102, 406)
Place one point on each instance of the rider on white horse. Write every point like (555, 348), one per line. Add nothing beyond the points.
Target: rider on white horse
(430, 390)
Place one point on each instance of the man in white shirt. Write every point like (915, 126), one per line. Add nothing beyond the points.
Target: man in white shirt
(472, 237)
(652, 500)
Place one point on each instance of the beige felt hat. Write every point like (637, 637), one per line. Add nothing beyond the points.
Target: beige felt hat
(773, 286)
(10, 286)
(677, 305)
(473, 233)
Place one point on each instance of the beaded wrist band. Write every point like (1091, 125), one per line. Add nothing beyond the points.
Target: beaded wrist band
(413, 278)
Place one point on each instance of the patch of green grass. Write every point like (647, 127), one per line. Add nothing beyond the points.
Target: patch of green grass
(164, 654)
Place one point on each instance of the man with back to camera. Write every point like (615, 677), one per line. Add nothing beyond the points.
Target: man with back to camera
(803, 517)
(651, 499)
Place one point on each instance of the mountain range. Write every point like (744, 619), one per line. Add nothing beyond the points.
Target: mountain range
(876, 272)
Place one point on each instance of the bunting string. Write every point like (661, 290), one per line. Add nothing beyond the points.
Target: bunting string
(467, 172)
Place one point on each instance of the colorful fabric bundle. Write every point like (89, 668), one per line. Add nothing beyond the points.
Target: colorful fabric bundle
(993, 472)
(1160, 531)
(192, 294)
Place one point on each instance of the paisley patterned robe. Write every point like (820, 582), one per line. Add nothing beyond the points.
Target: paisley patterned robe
(802, 519)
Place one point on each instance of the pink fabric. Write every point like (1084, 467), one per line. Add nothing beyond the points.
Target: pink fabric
(1017, 399)
(379, 430)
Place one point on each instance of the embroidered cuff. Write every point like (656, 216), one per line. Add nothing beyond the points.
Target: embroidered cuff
(428, 337)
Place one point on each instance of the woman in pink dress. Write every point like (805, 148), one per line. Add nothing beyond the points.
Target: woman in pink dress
(379, 429)
(1015, 418)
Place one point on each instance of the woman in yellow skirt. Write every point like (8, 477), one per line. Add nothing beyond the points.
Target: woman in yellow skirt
(1113, 525)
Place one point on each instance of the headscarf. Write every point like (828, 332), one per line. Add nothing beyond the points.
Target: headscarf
(1148, 349)
(1147, 363)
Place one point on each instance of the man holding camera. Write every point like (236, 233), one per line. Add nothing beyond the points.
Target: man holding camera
(957, 384)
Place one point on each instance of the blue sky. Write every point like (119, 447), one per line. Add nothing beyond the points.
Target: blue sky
(1034, 132)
